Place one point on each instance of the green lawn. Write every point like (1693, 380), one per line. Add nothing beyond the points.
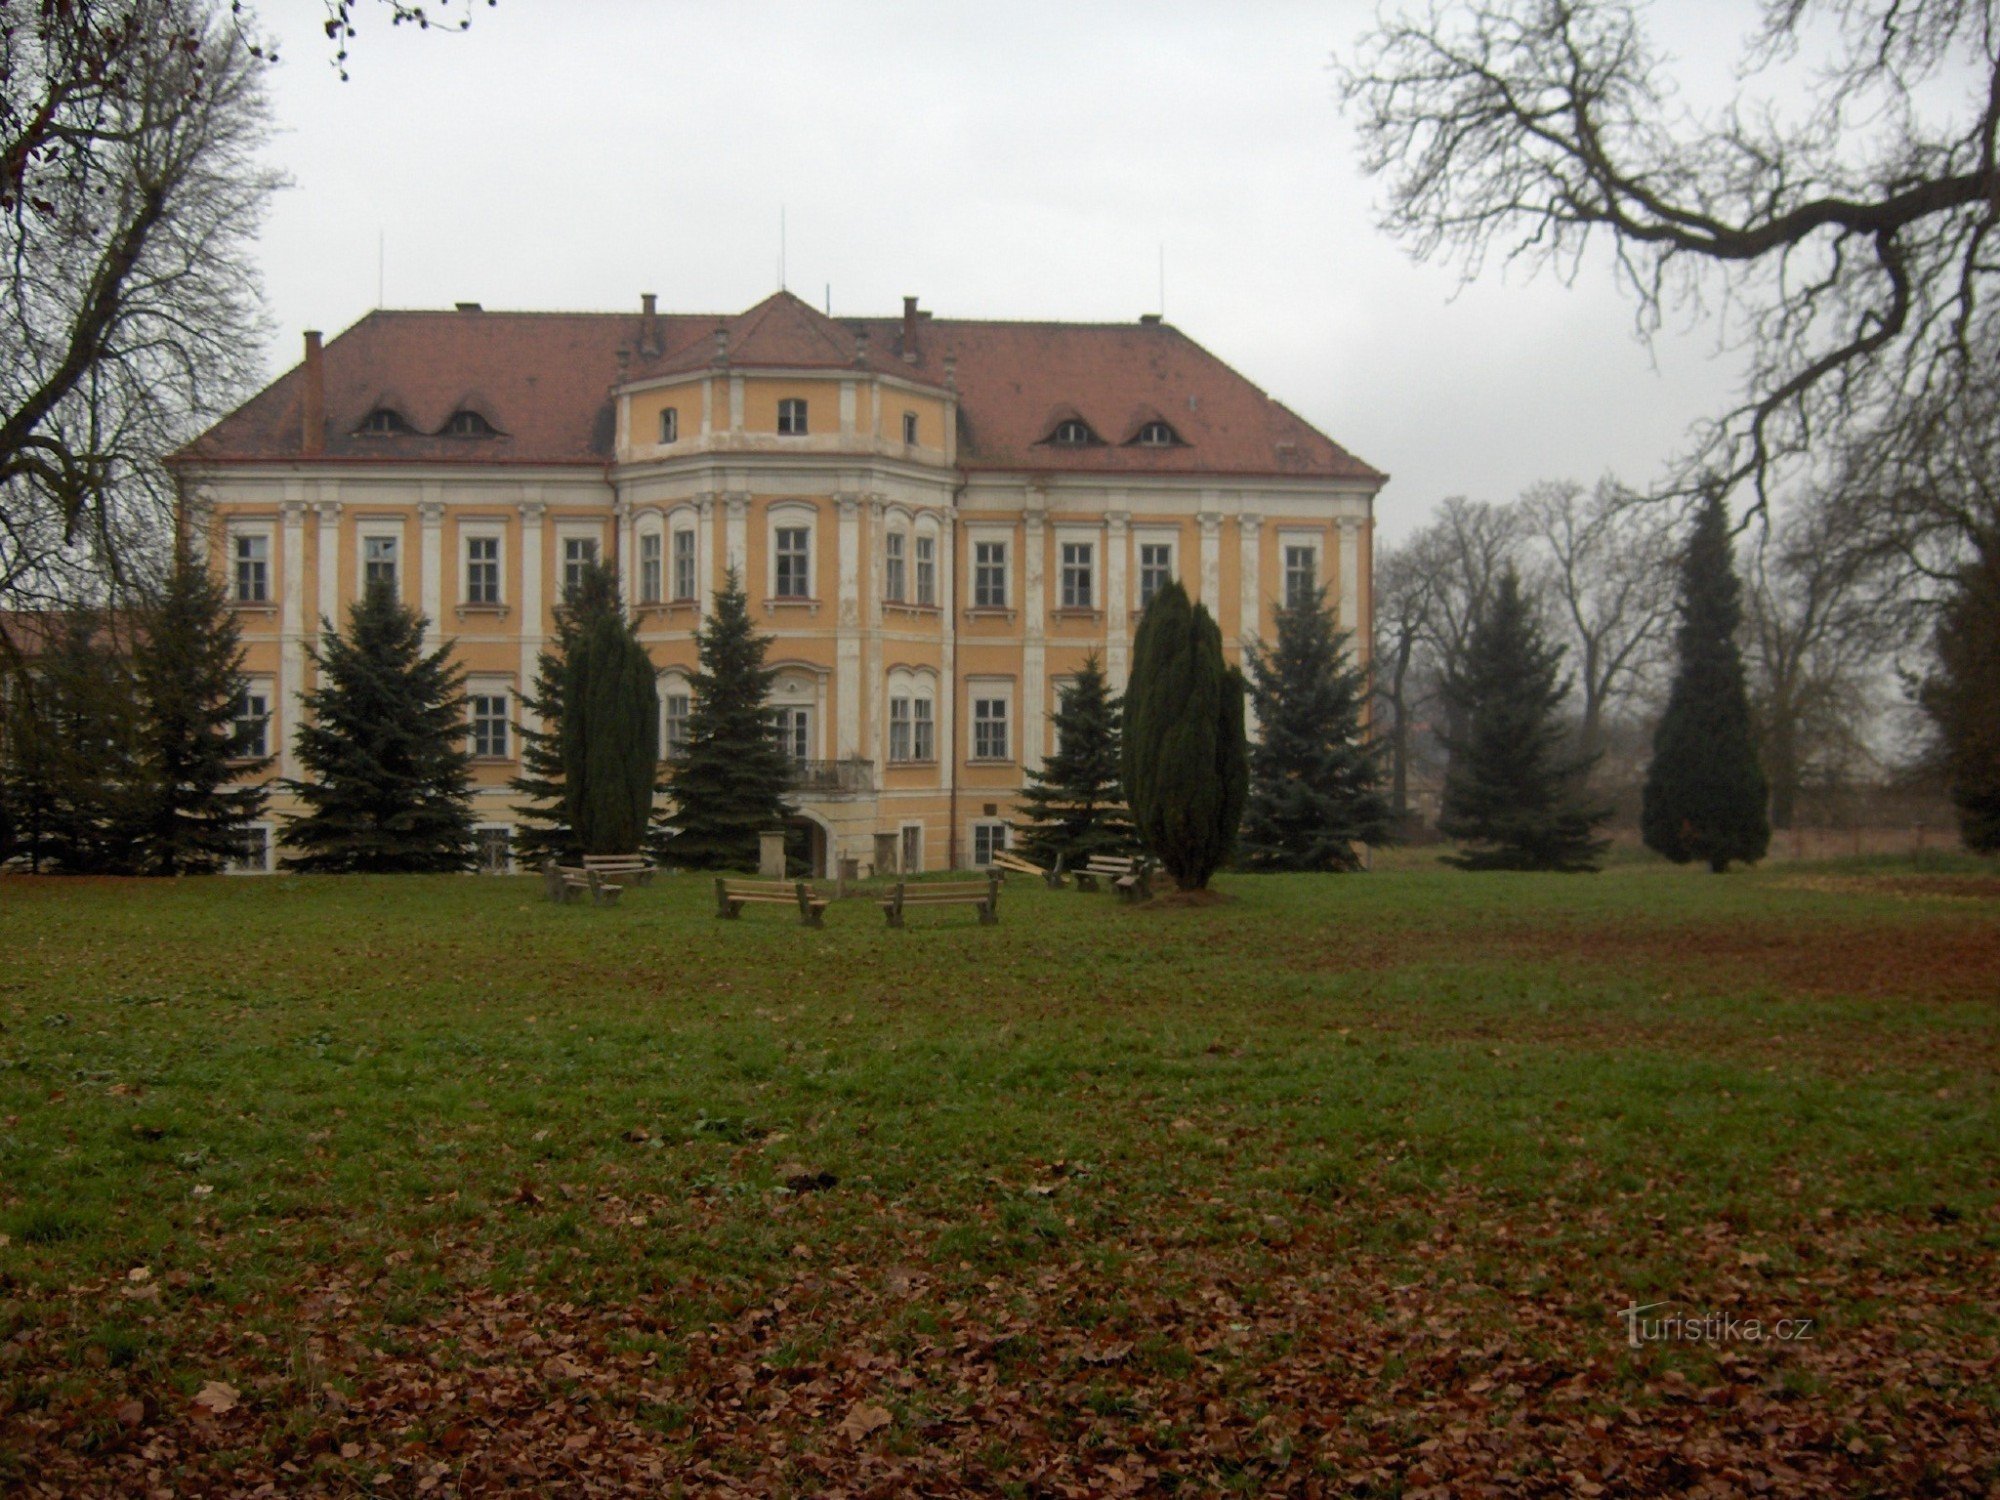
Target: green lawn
(1337, 1187)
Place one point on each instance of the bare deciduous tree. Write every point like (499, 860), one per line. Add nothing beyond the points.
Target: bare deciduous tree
(129, 197)
(1844, 226)
(1610, 579)
(1403, 588)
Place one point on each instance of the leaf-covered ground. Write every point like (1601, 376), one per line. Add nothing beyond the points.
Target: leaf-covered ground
(1339, 1187)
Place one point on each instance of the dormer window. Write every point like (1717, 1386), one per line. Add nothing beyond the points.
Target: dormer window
(384, 422)
(468, 424)
(1072, 432)
(1157, 435)
(792, 417)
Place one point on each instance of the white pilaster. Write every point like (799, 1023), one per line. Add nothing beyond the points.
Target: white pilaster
(705, 549)
(847, 408)
(621, 514)
(736, 403)
(1249, 531)
(1211, 559)
(291, 620)
(530, 593)
(847, 638)
(326, 602)
(947, 704)
(430, 573)
(1117, 594)
(736, 541)
(1350, 573)
(1032, 710)
(872, 669)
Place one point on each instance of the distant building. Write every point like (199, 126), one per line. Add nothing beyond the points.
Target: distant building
(935, 519)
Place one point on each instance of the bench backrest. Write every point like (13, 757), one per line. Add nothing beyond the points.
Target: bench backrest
(788, 889)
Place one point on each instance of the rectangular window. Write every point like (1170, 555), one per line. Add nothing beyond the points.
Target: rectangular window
(683, 564)
(910, 428)
(670, 425)
(482, 570)
(927, 570)
(254, 851)
(989, 575)
(496, 848)
(988, 840)
(579, 553)
(649, 568)
(792, 417)
(253, 719)
(674, 710)
(489, 725)
(899, 729)
(794, 553)
(1076, 580)
(894, 575)
(793, 727)
(1156, 570)
(923, 732)
(1300, 566)
(989, 728)
(378, 562)
(253, 569)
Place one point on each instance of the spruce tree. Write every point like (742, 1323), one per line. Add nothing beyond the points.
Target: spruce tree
(729, 785)
(1705, 796)
(188, 661)
(92, 780)
(544, 830)
(1962, 697)
(1513, 793)
(610, 737)
(390, 786)
(1074, 807)
(29, 754)
(1315, 780)
(1185, 755)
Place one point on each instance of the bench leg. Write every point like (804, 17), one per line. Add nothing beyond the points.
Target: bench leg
(987, 915)
(552, 886)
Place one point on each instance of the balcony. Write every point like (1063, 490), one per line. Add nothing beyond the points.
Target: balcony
(828, 778)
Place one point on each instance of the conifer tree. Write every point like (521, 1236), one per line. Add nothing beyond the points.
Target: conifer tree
(1315, 780)
(390, 774)
(544, 830)
(610, 737)
(1185, 755)
(188, 663)
(1075, 805)
(1512, 796)
(27, 751)
(1705, 796)
(86, 721)
(729, 784)
(1962, 697)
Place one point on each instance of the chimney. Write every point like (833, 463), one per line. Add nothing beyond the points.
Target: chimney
(951, 372)
(722, 343)
(910, 329)
(648, 303)
(312, 406)
(649, 324)
(860, 347)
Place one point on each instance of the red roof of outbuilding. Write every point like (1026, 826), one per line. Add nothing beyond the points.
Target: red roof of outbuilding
(545, 380)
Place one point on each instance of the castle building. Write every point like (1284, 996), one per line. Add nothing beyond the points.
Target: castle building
(935, 521)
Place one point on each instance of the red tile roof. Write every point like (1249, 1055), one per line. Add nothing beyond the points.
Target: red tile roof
(544, 381)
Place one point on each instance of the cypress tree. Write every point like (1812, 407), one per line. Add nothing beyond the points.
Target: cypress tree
(1962, 693)
(1074, 806)
(544, 830)
(1315, 780)
(1513, 792)
(610, 737)
(1185, 753)
(1705, 796)
(729, 786)
(188, 662)
(384, 744)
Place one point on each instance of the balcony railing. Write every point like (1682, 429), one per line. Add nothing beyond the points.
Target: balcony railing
(830, 776)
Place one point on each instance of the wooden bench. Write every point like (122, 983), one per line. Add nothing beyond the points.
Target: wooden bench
(634, 869)
(1013, 864)
(567, 882)
(984, 894)
(731, 896)
(1131, 878)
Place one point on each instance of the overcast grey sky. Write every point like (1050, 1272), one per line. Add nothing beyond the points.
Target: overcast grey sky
(1010, 161)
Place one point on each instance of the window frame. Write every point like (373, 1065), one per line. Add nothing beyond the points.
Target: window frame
(257, 690)
(652, 565)
(685, 530)
(261, 538)
(1077, 577)
(926, 550)
(264, 834)
(469, 591)
(673, 688)
(669, 425)
(989, 827)
(479, 847)
(487, 727)
(794, 417)
(982, 695)
(999, 565)
(909, 429)
(366, 535)
(593, 540)
(1289, 543)
(896, 566)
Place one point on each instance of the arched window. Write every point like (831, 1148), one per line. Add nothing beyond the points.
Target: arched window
(468, 424)
(1157, 435)
(1072, 432)
(383, 421)
(912, 716)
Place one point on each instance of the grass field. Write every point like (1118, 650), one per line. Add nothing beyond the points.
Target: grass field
(422, 1186)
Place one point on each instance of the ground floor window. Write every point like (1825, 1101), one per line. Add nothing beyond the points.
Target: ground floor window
(495, 843)
(254, 856)
(988, 839)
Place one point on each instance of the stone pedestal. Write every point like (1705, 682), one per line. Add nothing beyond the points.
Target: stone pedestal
(887, 849)
(771, 854)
